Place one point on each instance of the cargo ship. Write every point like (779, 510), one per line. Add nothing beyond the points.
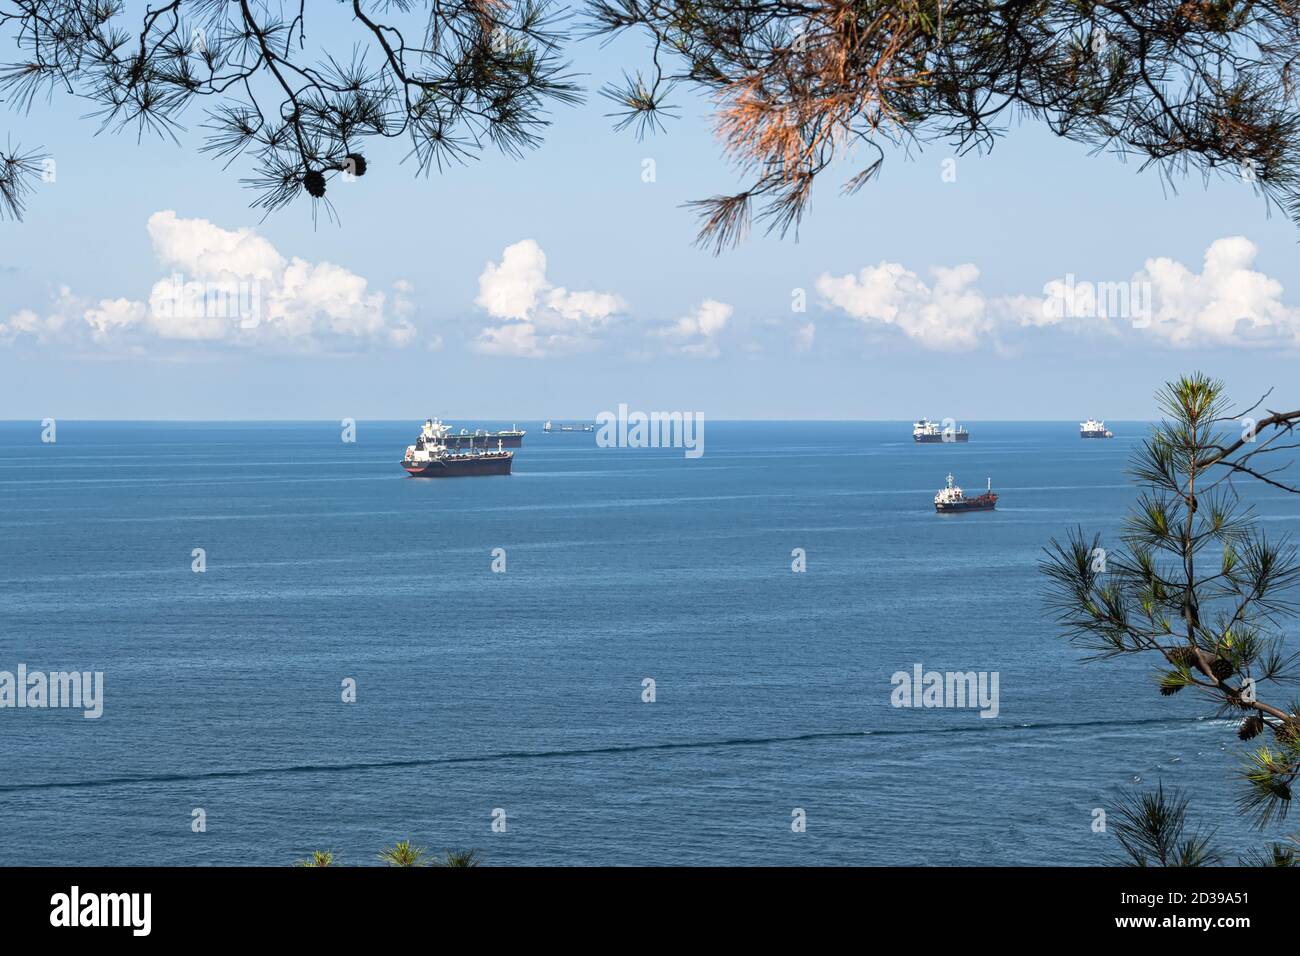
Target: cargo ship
(549, 428)
(926, 432)
(950, 499)
(1094, 429)
(429, 457)
(512, 437)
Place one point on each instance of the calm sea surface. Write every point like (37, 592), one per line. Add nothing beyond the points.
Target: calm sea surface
(522, 691)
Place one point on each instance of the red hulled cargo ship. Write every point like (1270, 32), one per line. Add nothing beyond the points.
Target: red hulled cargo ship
(430, 457)
(950, 499)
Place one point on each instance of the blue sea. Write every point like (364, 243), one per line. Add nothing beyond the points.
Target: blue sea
(518, 696)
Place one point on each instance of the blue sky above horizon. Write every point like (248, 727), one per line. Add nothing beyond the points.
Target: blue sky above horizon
(563, 284)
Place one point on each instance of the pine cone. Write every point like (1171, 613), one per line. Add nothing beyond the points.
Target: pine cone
(314, 183)
(1251, 727)
(1222, 669)
(1182, 656)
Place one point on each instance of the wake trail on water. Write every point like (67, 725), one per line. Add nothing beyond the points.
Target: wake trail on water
(616, 750)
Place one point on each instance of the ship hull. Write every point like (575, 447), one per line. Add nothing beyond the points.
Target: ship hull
(466, 467)
(1094, 435)
(940, 439)
(488, 442)
(982, 503)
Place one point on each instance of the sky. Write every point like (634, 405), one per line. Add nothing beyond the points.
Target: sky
(566, 283)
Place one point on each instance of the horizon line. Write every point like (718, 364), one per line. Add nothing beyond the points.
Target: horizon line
(529, 421)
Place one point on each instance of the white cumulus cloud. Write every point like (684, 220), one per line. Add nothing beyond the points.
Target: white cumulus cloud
(229, 285)
(949, 313)
(1227, 303)
(697, 332)
(204, 250)
(112, 314)
(534, 317)
(63, 313)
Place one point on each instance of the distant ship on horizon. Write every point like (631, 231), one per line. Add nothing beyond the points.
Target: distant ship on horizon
(1093, 428)
(950, 499)
(550, 428)
(926, 432)
(512, 437)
